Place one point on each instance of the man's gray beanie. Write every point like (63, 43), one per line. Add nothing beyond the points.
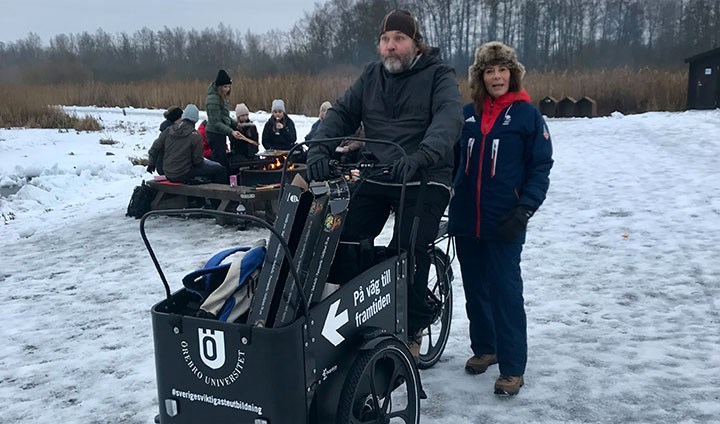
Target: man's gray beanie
(191, 113)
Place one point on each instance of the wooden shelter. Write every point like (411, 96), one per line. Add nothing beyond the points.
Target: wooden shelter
(586, 108)
(704, 80)
(567, 108)
(548, 107)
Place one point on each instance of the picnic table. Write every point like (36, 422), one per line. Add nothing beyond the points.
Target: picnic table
(257, 201)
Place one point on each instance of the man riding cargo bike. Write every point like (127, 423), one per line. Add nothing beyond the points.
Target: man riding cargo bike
(281, 345)
(411, 97)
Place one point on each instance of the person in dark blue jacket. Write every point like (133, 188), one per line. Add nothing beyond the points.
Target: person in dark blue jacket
(502, 176)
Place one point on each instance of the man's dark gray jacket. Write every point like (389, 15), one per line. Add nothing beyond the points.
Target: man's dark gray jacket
(419, 108)
(180, 147)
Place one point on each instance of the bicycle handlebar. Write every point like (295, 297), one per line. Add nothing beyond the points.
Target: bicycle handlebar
(345, 168)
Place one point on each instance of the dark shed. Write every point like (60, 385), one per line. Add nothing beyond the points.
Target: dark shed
(704, 80)
(567, 108)
(586, 107)
(548, 107)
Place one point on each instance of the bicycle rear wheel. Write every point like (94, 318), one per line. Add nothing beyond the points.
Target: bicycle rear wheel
(435, 337)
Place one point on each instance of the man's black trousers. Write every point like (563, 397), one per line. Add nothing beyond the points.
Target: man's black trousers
(369, 210)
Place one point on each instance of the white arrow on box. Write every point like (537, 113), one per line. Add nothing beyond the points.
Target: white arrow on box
(333, 322)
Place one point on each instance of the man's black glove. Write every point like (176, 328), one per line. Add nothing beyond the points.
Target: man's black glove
(514, 223)
(409, 165)
(150, 168)
(318, 168)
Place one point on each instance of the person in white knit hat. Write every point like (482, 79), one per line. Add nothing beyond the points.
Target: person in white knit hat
(244, 148)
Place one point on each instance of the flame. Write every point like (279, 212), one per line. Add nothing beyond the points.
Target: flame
(278, 164)
(275, 165)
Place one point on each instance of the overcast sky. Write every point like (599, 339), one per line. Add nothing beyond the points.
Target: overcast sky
(48, 18)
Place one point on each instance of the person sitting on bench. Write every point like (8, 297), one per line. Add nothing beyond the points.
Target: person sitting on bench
(172, 115)
(243, 149)
(201, 129)
(180, 147)
(279, 132)
(321, 115)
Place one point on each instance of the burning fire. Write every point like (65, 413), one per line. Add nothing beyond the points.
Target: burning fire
(278, 164)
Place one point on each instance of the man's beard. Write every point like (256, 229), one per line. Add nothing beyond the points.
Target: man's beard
(396, 63)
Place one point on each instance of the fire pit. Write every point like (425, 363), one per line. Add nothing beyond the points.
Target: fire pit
(258, 176)
(267, 170)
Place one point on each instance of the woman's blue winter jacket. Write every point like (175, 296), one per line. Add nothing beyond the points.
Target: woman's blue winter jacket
(507, 167)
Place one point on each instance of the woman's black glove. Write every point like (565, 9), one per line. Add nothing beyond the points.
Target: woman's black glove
(150, 168)
(514, 223)
(318, 167)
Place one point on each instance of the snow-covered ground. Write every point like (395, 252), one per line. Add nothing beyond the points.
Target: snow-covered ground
(621, 267)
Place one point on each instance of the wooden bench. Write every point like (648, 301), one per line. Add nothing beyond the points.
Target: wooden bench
(257, 202)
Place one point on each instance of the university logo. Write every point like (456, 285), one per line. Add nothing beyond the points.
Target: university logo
(212, 347)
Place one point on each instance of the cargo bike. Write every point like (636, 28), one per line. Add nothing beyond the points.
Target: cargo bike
(299, 352)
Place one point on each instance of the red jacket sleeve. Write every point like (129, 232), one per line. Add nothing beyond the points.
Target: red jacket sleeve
(205, 145)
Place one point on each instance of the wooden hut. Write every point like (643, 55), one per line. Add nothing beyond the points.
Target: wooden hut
(548, 107)
(586, 108)
(566, 108)
(704, 80)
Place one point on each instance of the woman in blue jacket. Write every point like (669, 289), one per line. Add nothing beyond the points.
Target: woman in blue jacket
(503, 164)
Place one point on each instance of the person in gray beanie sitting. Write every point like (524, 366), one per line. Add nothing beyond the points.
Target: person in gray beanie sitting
(279, 131)
(181, 151)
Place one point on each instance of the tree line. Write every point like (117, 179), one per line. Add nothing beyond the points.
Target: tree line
(339, 36)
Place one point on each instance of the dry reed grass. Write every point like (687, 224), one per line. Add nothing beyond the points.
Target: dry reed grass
(623, 89)
(302, 94)
(21, 108)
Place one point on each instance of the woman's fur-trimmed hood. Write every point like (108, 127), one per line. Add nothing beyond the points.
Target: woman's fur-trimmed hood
(495, 53)
(491, 54)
